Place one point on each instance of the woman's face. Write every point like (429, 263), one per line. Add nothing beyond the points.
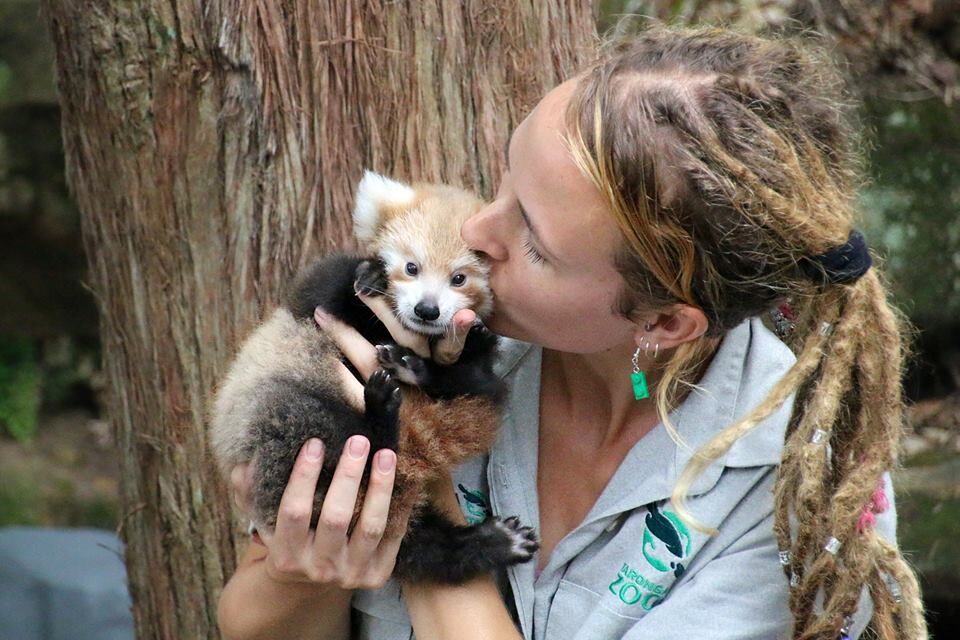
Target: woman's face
(551, 243)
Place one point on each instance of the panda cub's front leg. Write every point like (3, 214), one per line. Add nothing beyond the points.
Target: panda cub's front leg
(472, 376)
(404, 363)
(381, 397)
(371, 279)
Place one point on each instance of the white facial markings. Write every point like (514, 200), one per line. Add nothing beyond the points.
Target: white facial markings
(431, 284)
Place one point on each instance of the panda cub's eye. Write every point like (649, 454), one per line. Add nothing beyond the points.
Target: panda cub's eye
(412, 269)
(458, 279)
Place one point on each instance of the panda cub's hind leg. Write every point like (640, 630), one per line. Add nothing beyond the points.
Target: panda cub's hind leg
(437, 550)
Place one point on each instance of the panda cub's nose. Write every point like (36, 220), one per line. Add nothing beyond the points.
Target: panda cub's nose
(427, 310)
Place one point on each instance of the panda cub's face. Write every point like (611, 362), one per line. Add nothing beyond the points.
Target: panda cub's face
(415, 230)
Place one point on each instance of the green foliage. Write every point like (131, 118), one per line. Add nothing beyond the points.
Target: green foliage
(67, 508)
(27, 499)
(20, 382)
(912, 208)
(930, 457)
(19, 504)
(931, 524)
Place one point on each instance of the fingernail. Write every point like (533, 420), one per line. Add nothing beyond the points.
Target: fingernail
(320, 316)
(385, 460)
(314, 449)
(357, 446)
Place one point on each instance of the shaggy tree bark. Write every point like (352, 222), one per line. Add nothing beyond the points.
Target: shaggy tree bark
(212, 147)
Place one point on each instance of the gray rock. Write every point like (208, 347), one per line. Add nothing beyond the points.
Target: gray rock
(63, 584)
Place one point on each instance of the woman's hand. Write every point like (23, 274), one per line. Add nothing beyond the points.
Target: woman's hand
(297, 553)
(362, 560)
(327, 555)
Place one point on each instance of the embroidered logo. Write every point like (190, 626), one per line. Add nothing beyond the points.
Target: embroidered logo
(632, 588)
(666, 541)
(474, 504)
(666, 546)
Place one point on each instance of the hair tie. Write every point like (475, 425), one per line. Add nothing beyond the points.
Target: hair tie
(840, 265)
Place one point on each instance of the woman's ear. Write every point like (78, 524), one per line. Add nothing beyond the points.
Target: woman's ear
(679, 324)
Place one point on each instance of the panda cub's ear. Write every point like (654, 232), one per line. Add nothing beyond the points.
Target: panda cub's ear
(377, 197)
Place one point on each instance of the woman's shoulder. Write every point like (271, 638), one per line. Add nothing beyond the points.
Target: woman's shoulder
(746, 367)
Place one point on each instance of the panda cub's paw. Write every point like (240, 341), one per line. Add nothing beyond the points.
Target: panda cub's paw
(381, 397)
(515, 543)
(371, 279)
(404, 364)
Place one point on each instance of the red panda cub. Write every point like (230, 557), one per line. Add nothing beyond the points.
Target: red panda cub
(282, 388)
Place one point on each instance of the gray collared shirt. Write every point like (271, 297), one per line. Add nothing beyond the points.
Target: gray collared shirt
(632, 568)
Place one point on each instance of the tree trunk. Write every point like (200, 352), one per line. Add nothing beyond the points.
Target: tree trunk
(212, 147)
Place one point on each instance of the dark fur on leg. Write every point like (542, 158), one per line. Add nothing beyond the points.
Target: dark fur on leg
(371, 278)
(381, 397)
(328, 283)
(436, 550)
(471, 375)
(293, 414)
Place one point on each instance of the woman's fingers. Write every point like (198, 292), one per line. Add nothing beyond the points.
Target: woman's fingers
(464, 319)
(404, 337)
(353, 345)
(369, 529)
(351, 387)
(448, 348)
(341, 499)
(382, 564)
(296, 506)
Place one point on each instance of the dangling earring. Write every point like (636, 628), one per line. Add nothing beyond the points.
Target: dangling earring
(638, 378)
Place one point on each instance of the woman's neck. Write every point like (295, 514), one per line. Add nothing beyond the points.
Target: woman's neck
(596, 389)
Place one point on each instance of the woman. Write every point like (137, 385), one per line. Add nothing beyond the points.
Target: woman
(655, 206)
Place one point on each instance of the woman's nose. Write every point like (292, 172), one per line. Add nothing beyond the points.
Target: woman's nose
(483, 231)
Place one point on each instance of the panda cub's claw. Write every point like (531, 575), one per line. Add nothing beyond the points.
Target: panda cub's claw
(371, 279)
(403, 363)
(381, 397)
(517, 543)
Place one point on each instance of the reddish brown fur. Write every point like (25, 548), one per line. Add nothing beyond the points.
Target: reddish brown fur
(435, 436)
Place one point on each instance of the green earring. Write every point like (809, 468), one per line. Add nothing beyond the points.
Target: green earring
(639, 378)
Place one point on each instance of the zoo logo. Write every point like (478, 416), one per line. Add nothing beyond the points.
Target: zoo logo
(665, 532)
(474, 505)
(666, 542)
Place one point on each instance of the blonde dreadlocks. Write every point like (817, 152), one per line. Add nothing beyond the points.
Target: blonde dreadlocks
(730, 163)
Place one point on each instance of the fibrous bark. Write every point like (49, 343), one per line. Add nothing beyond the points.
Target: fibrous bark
(212, 148)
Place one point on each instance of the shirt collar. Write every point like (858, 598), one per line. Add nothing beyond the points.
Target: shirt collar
(748, 363)
(746, 366)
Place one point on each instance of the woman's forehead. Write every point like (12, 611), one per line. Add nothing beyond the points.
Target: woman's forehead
(565, 207)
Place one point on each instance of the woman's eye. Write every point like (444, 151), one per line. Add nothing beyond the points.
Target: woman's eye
(531, 251)
(412, 269)
(458, 279)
